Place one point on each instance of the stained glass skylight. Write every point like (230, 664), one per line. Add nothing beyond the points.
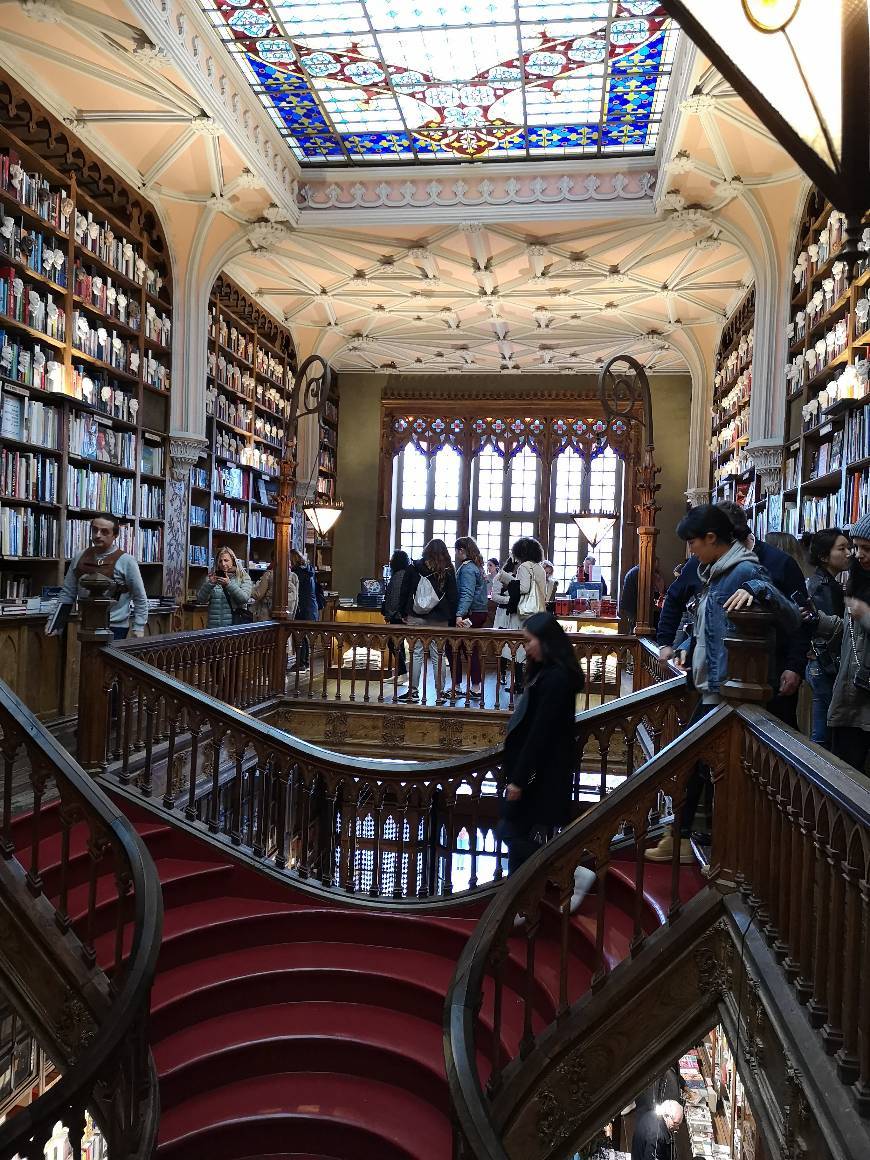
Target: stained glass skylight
(351, 81)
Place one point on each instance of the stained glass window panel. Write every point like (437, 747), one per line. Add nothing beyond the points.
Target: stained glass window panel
(466, 80)
(524, 481)
(565, 553)
(570, 469)
(487, 533)
(447, 470)
(411, 537)
(519, 528)
(415, 470)
(445, 530)
(490, 481)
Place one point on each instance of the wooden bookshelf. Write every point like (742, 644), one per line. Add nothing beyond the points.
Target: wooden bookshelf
(85, 354)
(250, 368)
(327, 467)
(732, 475)
(826, 453)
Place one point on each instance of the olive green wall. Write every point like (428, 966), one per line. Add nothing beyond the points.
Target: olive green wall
(359, 449)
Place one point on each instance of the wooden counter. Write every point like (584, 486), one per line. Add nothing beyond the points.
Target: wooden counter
(349, 615)
(44, 670)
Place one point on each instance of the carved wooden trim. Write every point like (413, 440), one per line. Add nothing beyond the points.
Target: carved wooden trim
(231, 296)
(59, 149)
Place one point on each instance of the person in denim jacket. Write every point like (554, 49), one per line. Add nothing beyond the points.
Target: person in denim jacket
(731, 579)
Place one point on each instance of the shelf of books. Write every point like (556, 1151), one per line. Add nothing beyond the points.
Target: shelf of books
(732, 475)
(826, 454)
(85, 351)
(251, 363)
(327, 467)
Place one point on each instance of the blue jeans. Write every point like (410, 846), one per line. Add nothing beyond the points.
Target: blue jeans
(822, 685)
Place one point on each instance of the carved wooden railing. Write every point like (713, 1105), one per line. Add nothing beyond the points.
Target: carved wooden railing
(50, 863)
(791, 831)
(382, 829)
(245, 665)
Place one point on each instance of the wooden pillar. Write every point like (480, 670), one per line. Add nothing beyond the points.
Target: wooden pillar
(385, 488)
(749, 647)
(283, 533)
(94, 635)
(647, 533)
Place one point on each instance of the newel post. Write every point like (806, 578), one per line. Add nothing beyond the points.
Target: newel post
(749, 646)
(94, 635)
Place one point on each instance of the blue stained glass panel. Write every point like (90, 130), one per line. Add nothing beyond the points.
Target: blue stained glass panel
(350, 81)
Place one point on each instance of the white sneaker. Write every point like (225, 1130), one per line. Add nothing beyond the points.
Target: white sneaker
(402, 680)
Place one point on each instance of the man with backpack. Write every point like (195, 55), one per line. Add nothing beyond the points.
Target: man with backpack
(429, 599)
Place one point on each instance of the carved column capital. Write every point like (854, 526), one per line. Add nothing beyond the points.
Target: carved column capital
(184, 453)
(768, 466)
(697, 496)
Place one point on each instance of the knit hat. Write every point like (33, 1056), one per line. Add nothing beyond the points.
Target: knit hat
(860, 530)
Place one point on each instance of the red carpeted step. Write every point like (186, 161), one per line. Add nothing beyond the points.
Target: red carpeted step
(180, 879)
(79, 862)
(325, 1110)
(396, 1047)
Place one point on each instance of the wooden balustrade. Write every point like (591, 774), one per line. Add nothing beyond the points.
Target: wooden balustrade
(247, 664)
(50, 862)
(791, 831)
(798, 843)
(384, 829)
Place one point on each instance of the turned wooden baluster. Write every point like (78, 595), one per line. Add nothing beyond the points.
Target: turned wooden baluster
(862, 1085)
(7, 845)
(190, 808)
(818, 1003)
(832, 1030)
(852, 968)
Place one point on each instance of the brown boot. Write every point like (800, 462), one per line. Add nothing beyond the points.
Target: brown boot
(664, 851)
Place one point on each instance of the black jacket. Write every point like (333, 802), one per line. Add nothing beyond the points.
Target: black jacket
(391, 607)
(651, 1139)
(445, 609)
(308, 608)
(540, 750)
(791, 648)
(826, 592)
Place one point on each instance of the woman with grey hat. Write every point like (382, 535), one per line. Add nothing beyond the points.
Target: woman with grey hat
(849, 714)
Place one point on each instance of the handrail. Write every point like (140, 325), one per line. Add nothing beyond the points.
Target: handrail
(523, 893)
(791, 831)
(118, 1056)
(389, 829)
(245, 664)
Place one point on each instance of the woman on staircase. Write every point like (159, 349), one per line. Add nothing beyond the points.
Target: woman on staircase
(539, 751)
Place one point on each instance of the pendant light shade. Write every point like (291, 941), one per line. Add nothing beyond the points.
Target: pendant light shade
(322, 515)
(595, 525)
(803, 67)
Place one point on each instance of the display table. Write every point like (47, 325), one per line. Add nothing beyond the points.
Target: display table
(349, 615)
(588, 622)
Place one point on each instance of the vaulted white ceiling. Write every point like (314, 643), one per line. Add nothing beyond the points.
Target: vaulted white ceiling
(509, 274)
(486, 297)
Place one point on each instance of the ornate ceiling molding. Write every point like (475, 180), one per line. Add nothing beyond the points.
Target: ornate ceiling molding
(504, 193)
(181, 31)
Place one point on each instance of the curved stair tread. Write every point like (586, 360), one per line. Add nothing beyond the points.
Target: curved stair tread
(418, 1038)
(177, 876)
(400, 1119)
(234, 923)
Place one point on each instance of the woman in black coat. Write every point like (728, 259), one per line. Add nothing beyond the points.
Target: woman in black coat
(540, 749)
(307, 608)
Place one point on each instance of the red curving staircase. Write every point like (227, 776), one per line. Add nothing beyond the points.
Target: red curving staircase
(284, 1026)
